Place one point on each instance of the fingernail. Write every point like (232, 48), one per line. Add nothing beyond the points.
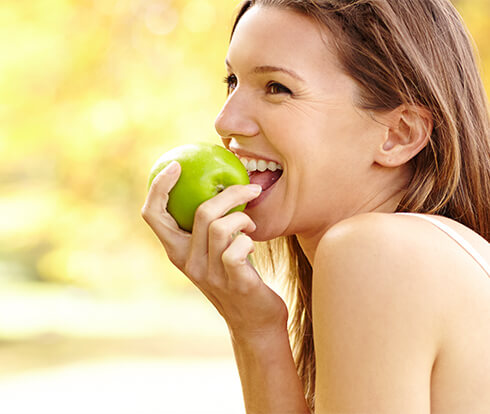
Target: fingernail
(171, 168)
(255, 189)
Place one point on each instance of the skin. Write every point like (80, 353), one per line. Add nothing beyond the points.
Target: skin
(332, 152)
(338, 162)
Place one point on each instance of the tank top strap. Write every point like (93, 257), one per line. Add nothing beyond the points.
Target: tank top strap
(457, 238)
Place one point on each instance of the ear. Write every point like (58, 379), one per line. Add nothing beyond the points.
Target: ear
(409, 130)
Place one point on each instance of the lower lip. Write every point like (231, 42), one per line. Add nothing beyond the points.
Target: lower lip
(256, 201)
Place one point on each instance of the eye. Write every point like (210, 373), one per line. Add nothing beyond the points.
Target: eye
(231, 82)
(275, 88)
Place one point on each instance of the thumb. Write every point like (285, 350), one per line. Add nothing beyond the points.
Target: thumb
(155, 209)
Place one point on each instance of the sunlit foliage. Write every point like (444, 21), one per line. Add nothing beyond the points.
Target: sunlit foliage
(91, 93)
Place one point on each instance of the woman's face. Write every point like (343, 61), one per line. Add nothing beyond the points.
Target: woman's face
(302, 117)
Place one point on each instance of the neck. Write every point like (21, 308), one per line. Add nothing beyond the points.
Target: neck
(309, 242)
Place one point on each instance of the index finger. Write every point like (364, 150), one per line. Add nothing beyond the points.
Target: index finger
(215, 208)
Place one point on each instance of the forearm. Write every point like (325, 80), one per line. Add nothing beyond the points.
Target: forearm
(270, 382)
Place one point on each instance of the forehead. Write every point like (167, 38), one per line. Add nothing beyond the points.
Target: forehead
(271, 35)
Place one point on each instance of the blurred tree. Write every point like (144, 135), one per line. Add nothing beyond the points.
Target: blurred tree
(92, 93)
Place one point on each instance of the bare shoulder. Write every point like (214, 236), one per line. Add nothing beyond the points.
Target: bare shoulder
(392, 295)
(392, 238)
(377, 318)
(391, 250)
(389, 263)
(410, 236)
(406, 258)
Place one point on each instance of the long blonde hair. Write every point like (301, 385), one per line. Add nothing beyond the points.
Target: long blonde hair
(405, 51)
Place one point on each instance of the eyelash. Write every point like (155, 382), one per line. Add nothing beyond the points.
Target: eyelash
(230, 79)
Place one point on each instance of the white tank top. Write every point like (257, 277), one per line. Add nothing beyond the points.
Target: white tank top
(457, 238)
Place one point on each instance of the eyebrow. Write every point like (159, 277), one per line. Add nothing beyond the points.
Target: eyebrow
(269, 69)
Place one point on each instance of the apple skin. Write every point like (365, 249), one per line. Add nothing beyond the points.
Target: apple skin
(206, 170)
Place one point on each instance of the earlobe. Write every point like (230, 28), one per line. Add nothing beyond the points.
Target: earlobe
(407, 134)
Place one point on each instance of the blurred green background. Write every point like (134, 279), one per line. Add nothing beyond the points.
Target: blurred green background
(92, 92)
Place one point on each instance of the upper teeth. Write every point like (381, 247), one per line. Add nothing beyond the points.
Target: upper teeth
(260, 165)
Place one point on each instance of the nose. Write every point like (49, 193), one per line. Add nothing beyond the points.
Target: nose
(237, 117)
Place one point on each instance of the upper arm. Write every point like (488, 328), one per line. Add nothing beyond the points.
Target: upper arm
(375, 320)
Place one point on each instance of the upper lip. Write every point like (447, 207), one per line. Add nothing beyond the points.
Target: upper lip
(246, 154)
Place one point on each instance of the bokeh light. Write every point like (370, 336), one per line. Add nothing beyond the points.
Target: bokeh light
(92, 92)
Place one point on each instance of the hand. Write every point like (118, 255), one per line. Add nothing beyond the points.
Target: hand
(216, 261)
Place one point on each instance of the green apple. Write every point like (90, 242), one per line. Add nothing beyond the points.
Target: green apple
(207, 169)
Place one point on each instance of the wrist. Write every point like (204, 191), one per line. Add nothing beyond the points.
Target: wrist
(259, 337)
(268, 373)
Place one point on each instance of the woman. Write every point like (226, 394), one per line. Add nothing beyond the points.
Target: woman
(371, 107)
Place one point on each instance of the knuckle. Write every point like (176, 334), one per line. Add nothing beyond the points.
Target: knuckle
(245, 240)
(203, 213)
(231, 258)
(240, 218)
(239, 215)
(247, 220)
(218, 230)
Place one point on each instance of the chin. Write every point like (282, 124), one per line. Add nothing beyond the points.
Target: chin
(257, 238)
(262, 235)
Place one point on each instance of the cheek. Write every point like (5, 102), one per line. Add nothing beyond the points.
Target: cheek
(349, 140)
(329, 168)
